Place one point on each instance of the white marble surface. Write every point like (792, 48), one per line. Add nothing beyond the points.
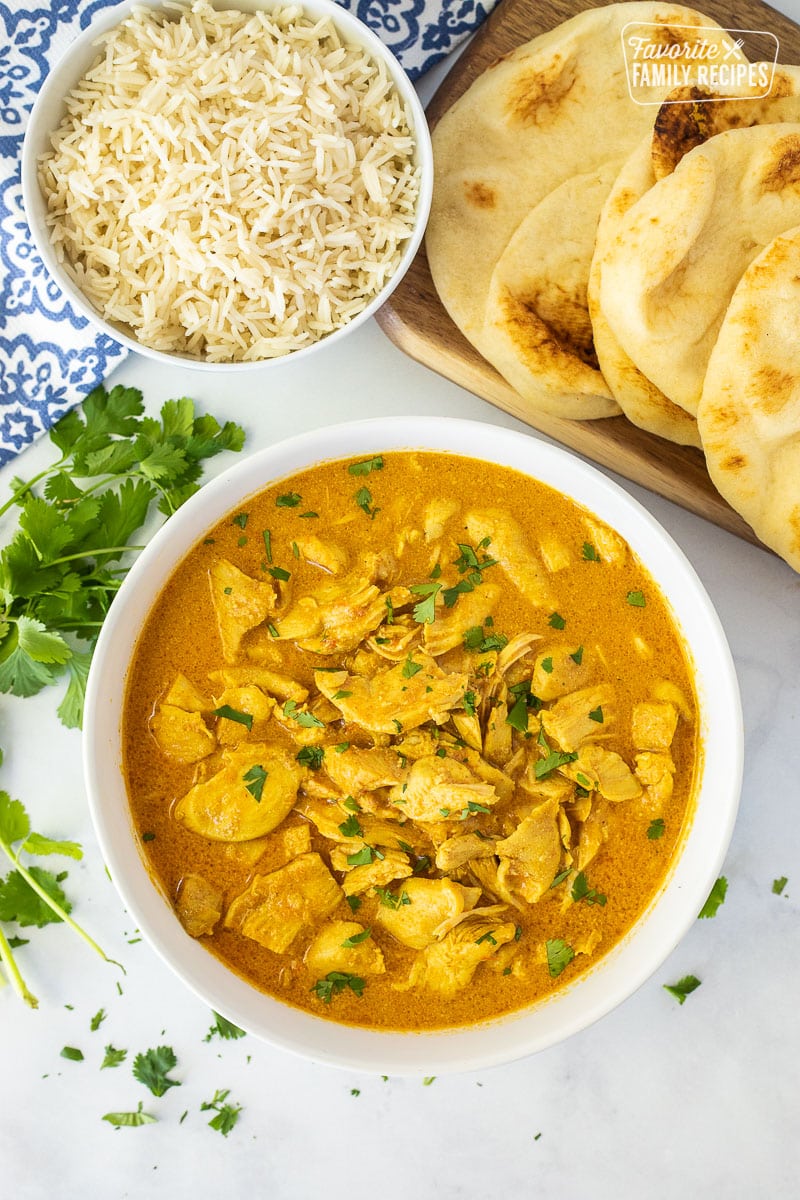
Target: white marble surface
(654, 1101)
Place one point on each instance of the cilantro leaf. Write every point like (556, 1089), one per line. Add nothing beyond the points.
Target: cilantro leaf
(36, 844)
(683, 988)
(113, 1057)
(368, 465)
(129, 1119)
(20, 903)
(152, 1069)
(70, 710)
(14, 821)
(716, 898)
(254, 781)
(311, 757)
(559, 956)
(223, 1028)
(226, 1114)
(655, 829)
(336, 982)
(779, 884)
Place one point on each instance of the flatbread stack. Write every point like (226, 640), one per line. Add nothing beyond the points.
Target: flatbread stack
(524, 162)
(608, 257)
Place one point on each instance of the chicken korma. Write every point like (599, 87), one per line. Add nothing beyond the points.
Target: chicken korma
(410, 741)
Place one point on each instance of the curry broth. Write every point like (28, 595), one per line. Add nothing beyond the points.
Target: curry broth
(592, 596)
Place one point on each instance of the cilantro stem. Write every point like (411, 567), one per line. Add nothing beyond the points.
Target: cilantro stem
(8, 961)
(92, 554)
(30, 483)
(56, 907)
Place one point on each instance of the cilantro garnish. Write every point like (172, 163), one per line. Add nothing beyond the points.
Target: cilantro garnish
(577, 657)
(597, 715)
(425, 610)
(556, 621)
(356, 939)
(152, 1069)
(233, 714)
(779, 884)
(60, 571)
(716, 898)
(636, 599)
(486, 937)
(335, 982)
(31, 896)
(241, 520)
(655, 829)
(582, 891)
(560, 877)
(683, 988)
(129, 1119)
(556, 758)
(363, 499)
(362, 857)
(559, 956)
(288, 500)
(306, 720)
(226, 1114)
(389, 899)
(311, 756)
(351, 827)
(113, 1057)
(280, 573)
(476, 639)
(368, 465)
(351, 805)
(469, 703)
(354, 902)
(589, 553)
(268, 544)
(72, 1053)
(254, 781)
(97, 1020)
(410, 668)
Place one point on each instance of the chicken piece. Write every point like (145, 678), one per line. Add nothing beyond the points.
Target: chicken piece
(327, 555)
(183, 694)
(328, 817)
(391, 702)
(556, 673)
(530, 857)
(356, 770)
(502, 783)
(484, 872)
(247, 699)
(448, 630)
(570, 722)
(260, 647)
(593, 833)
(431, 902)
(436, 515)
(454, 851)
(555, 554)
(587, 943)
(182, 736)
(468, 729)
(294, 841)
(437, 787)
(378, 873)
(608, 544)
(662, 689)
(654, 724)
(254, 789)
(497, 744)
(395, 641)
(240, 604)
(448, 966)
(199, 905)
(274, 908)
(282, 686)
(417, 744)
(507, 544)
(604, 770)
(247, 854)
(328, 951)
(553, 786)
(304, 727)
(655, 772)
(339, 615)
(516, 649)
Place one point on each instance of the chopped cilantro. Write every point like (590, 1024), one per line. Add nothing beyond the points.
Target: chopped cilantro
(268, 544)
(582, 891)
(560, 877)
(306, 515)
(556, 621)
(469, 703)
(97, 1020)
(356, 939)
(289, 500)
(559, 956)
(223, 1028)
(597, 714)
(362, 857)
(279, 573)
(335, 982)
(389, 899)
(547, 665)
(589, 553)
(363, 499)
(254, 781)
(425, 610)
(113, 1057)
(226, 1115)
(152, 1069)
(716, 897)
(341, 747)
(233, 714)
(518, 715)
(368, 465)
(241, 519)
(354, 902)
(683, 988)
(636, 599)
(779, 884)
(351, 827)
(577, 657)
(72, 1053)
(410, 668)
(556, 758)
(306, 720)
(122, 1120)
(486, 937)
(655, 829)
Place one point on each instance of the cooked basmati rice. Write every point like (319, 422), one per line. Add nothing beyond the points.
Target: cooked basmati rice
(231, 186)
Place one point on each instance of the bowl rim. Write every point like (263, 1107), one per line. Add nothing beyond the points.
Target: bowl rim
(65, 73)
(620, 972)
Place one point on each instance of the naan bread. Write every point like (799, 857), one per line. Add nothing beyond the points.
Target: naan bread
(537, 331)
(689, 117)
(749, 412)
(668, 278)
(639, 399)
(555, 108)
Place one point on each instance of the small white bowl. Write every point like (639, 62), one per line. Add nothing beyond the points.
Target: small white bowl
(617, 974)
(50, 106)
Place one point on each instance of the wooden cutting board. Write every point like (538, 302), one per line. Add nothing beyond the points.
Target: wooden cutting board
(415, 320)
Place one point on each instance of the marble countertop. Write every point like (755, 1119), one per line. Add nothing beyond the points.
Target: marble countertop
(655, 1100)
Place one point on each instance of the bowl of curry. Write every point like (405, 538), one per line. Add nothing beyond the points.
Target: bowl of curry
(413, 745)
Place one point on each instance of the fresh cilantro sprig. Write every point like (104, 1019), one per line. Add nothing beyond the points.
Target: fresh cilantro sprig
(60, 571)
(32, 895)
(152, 1069)
(226, 1115)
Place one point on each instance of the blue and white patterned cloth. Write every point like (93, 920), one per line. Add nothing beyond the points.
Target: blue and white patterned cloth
(50, 357)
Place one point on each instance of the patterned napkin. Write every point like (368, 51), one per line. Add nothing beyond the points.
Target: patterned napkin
(50, 357)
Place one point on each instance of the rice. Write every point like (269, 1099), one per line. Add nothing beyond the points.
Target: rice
(230, 186)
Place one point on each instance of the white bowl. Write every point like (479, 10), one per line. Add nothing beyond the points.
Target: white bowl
(50, 107)
(618, 973)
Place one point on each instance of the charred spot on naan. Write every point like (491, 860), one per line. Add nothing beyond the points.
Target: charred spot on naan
(734, 462)
(481, 195)
(536, 94)
(774, 389)
(682, 123)
(564, 334)
(783, 166)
